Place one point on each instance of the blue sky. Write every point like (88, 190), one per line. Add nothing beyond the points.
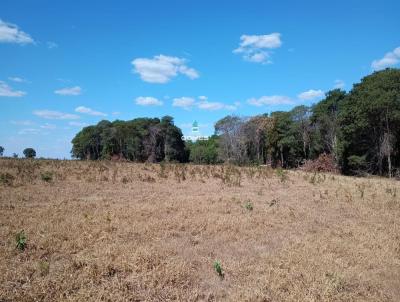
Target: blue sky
(66, 64)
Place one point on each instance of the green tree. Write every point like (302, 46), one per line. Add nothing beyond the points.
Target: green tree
(204, 151)
(283, 145)
(29, 153)
(141, 139)
(370, 123)
(325, 120)
(1, 150)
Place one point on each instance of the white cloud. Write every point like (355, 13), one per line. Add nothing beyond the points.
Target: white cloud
(10, 33)
(148, 101)
(257, 48)
(202, 103)
(77, 124)
(69, 91)
(48, 126)
(55, 115)
(116, 113)
(184, 102)
(29, 131)
(23, 123)
(270, 100)
(17, 79)
(211, 106)
(339, 84)
(51, 45)
(86, 110)
(310, 94)
(161, 69)
(6, 90)
(391, 58)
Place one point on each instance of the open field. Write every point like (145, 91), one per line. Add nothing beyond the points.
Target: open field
(105, 231)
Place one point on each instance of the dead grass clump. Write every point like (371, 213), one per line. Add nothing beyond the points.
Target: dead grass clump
(6, 179)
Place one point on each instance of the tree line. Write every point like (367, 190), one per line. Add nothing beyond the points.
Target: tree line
(141, 139)
(359, 130)
(28, 153)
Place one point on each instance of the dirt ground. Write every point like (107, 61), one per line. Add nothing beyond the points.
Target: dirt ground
(106, 231)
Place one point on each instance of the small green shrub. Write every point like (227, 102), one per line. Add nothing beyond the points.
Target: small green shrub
(218, 268)
(249, 206)
(20, 239)
(47, 176)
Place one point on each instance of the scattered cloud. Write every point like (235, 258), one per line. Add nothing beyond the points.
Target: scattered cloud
(69, 91)
(148, 101)
(211, 106)
(184, 102)
(32, 131)
(86, 110)
(17, 79)
(48, 126)
(55, 115)
(77, 124)
(202, 103)
(339, 84)
(270, 100)
(23, 123)
(161, 69)
(7, 91)
(64, 80)
(310, 95)
(116, 113)
(10, 33)
(51, 45)
(390, 58)
(257, 48)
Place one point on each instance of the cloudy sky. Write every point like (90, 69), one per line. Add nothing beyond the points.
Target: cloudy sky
(67, 64)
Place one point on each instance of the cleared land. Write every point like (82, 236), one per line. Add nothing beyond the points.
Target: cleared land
(104, 231)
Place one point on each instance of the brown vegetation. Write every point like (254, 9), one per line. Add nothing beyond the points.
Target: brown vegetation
(111, 231)
(324, 163)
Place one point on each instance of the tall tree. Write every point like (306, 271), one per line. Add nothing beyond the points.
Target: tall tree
(302, 127)
(370, 122)
(325, 120)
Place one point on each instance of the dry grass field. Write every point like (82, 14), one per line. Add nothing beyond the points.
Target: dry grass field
(106, 231)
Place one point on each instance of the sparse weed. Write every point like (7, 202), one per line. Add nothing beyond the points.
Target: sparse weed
(163, 170)
(248, 205)
(391, 191)
(273, 202)
(20, 239)
(282, 174)
(361, 189)
(44, 267)
(231, 176)
(47, 176)
(147, 178)
(218, 268)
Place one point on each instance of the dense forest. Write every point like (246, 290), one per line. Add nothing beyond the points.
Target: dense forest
(358, 130)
